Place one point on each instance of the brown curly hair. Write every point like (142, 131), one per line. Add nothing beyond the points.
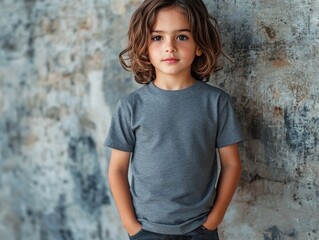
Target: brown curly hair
(203, 28)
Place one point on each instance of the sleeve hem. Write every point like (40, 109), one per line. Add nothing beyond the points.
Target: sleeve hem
(229, 142)
(119, 147)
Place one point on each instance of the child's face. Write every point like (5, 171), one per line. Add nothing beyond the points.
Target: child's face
(171, 47)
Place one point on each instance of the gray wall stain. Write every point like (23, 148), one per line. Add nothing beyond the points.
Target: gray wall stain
(90, 187)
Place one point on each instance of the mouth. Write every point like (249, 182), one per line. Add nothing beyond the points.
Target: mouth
(170, 60)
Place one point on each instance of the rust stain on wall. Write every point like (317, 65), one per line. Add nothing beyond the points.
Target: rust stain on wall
(270, 32)
(280, 58)
(278, 112)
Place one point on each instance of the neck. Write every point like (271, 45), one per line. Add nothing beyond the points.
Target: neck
(174, 83)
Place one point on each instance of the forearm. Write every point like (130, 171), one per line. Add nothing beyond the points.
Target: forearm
(228, 181)
(120, 189)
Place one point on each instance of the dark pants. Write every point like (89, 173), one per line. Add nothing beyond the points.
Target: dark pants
(197, 234)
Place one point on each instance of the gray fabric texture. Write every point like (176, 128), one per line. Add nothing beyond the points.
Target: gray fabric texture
(173, 136)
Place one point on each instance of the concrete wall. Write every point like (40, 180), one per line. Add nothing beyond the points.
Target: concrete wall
(60, 80)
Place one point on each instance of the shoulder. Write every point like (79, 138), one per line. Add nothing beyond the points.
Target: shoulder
(134, 98)
(213, 91)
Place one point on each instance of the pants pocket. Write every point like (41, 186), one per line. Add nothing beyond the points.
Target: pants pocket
(137, 235)
(147, 235)
(208, 234)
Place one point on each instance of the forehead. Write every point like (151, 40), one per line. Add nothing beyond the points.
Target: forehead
(170, 18)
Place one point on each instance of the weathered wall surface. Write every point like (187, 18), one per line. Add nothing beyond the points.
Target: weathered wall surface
(275, 84)
(60, 80)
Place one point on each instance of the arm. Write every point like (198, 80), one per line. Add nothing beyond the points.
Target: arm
(228, 181)
(118, 180)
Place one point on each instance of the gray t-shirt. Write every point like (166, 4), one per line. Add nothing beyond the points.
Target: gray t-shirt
(173, 136)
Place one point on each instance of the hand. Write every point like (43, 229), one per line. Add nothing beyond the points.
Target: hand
(212, 222)
(209, 227)
(133, 228)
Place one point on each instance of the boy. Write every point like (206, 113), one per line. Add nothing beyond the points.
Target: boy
(170, 128)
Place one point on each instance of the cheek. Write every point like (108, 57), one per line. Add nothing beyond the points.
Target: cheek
(190, 52)
(152, 52)
(188, 48)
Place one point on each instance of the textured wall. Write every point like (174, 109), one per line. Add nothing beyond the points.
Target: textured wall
(60, 80)
(275, 84)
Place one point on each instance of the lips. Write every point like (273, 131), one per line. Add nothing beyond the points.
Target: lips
(170, 60)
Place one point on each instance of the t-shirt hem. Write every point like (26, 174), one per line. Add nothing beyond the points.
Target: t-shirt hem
(173, 229)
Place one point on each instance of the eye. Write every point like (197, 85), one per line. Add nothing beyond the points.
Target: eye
(182, 37)
(156, 38)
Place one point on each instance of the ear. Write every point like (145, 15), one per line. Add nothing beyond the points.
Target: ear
(198, 52)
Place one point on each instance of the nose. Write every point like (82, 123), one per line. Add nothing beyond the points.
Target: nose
(170, 46)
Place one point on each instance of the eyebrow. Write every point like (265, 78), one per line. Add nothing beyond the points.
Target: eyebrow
(178, 30)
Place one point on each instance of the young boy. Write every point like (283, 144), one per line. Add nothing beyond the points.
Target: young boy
(169, 129)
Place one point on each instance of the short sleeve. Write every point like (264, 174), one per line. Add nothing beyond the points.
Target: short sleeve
(228, 129)
(120, 135)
